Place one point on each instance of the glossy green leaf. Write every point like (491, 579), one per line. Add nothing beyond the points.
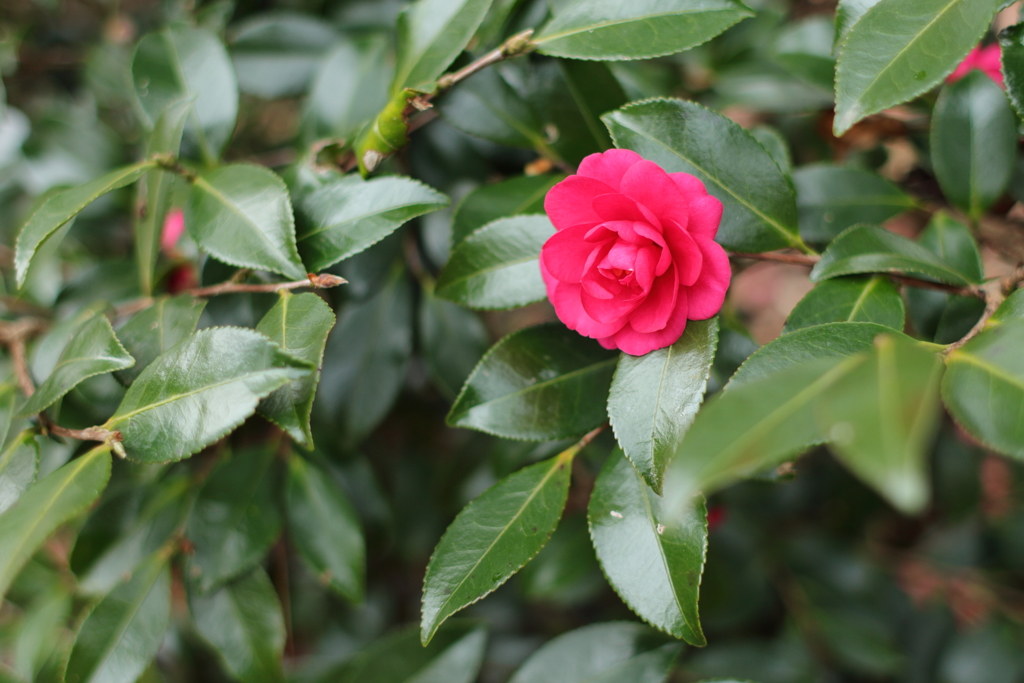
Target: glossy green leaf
(492, 538)
(61, 206)
(19, 463)
(351, 214)
(162, 512)
(896, 51)
(610, 30)
(655, 397)
(1011, 42)
(521, 195)
(566, 571)
(126, 629)
(235, 519)
(572, 124)
(869, 299)
(849, 13)
(487, 107)
(870, 249)
(973, 142)
(324, 527)
(41, 633)
(299, 324)
(453, 340)
(154, 192)
(242, 215)
(751, 427)
(653, 565)
(350, 87)
(759, 202)
(498, 265)
(1011, 309)
(881, 418)
(542, 383)
(9, 399)
(953, 242)
(431, 34)
(93, 350)
(276, 54)
(453, 656)
(834, 340)
(200, 390)
(154, 330)
(600, 653)
(182, 63)
(776, 146)
(244, 624)
(983, 387)
(830, 199)
(366, 361)
(53, 500)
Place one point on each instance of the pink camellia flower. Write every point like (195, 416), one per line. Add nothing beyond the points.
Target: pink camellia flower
(986, 59)
(634, 255)
(174, 228)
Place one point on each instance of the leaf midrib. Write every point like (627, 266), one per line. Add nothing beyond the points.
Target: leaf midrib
(994, 370)
(589, 28)
(363, 216)
(125, 624)
(560, 378)
(871, 284)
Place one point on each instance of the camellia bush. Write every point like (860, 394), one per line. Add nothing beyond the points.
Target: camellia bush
(540, 341)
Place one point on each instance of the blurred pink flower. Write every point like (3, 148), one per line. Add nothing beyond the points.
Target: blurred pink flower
(174, 228)
(986, 59)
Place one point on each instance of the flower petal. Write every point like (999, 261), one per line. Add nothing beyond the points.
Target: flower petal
(565, 253)
(569, 309)
(608, 311)
(628, 340)
(649, 185)
(569, 202)
(707, 294)
(686, 255)
(654, 313)
(608, 167)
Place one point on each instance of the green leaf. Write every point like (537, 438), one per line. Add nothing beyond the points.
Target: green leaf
(185, 63)
(834, 341)
(453, 656)
(242, 215)
(870, 249)
(55, 499)
(431, 34)
(881, 417)
(655, 397)
(350, 87)
(573, 124)
(93, 350)
(869, 299)
(200, 390)
(9, 398)
(154, 330)
(126, 629)
(541, 383)
(611, 30)
(759, 202)
(521, 195)
(299, 324)
(953, 242)
(161, 513)
(655, 566)
(276, 54)
(804, 49)
(41, 632)
(1011, 41)
(830, 199)
(351, 214)
(366, 362)
(498, 265)
(751, 427)
(244, 624)
(325, 529)
(487, 107)
(1011, 309)
(493, 537)
(154, 192)
(63, 205)
(566, 571)
(849, 13)
(600, 653)
(983, 388)
(776, 146)
(453, 341)
(235, 519)
(19, 463)
(973, 142)
(895, 52)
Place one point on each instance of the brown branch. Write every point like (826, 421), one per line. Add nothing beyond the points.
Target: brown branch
(90, 434)
(17, 349)
(994, 293)
(519, 44)
(974, 291)
(779, 257)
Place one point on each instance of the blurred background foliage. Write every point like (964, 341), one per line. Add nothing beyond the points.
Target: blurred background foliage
(810, 576)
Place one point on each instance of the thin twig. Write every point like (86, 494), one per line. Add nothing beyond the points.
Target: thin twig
(518, 44)
(17, 349)
(780, 257)
(90, 434)
(995, 293)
